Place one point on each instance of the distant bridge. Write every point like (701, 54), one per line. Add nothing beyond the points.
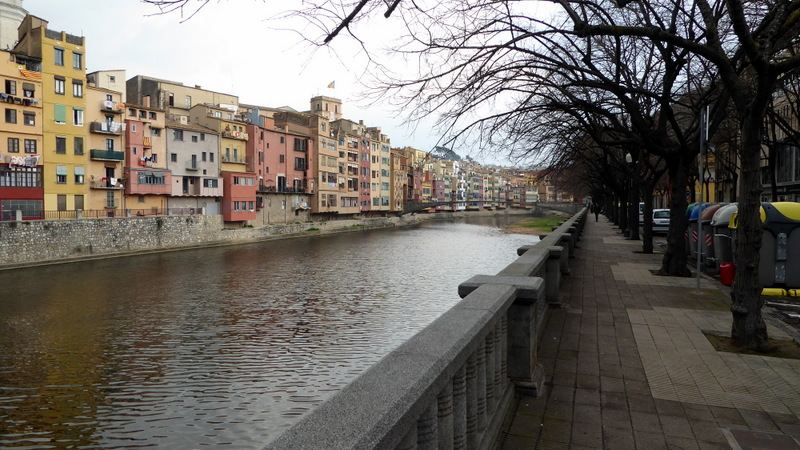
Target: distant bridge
(413, 207)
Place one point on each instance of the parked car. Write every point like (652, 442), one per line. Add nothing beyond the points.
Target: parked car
(660, 220)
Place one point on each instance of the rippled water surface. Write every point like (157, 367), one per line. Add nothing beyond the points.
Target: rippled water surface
(223, 345)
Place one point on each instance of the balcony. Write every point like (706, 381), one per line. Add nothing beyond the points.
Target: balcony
(107, 155)
(191, 166)
(112, 107)
(262, 189)
(239, 160)
(235, 134)
(114, 128)
(105, 183)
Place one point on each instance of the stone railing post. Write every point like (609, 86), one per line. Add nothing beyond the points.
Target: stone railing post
(18, 215)
(444, 413)
(552, 279)
(523, 368)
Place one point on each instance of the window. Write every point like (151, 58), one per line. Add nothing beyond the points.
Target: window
(236, 154)
(58, 56)
(77, 116)
(29, 118)
(109, 144)
(79, 175)
(79, 202)
(141, 199)
(30, 146)
(77, 89)
(281, 158)
(60, 85)
(131, 112)
(210, 182)
(202, 136)
(155, 132)
(203, 157)
(177, 135)
(61, 174)
(13, 145)
(11, 87)
(61, 145)
(112, 79)
(194, 138)
(173, 157)
(77, 60)
(133, 127)
(28, 90)
(59, 114)
(300, 145)
(299, 163)
(211, 156)
(11, 115)
(77, 144)
(152, 115)
(188, 102)
(282, 140)
(171, 99)
(227, 154)
(109, 97)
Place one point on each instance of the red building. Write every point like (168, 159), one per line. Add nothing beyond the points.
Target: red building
(149, 182)
(21, 187)
(238, 196)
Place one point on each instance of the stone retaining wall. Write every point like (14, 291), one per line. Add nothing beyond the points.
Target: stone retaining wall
(53, 241)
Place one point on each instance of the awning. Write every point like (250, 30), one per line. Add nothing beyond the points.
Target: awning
(61, 170)
(79, 170)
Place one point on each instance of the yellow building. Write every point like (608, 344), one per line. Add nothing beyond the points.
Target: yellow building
(104, 114)
(232, 134)
(21, 131)
(63, 63)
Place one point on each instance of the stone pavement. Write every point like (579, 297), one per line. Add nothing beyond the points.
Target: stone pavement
(628, 366)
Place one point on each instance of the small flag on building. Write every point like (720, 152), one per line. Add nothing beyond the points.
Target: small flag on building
(332, 85)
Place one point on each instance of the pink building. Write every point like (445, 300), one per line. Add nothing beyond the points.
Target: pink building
(281, 160)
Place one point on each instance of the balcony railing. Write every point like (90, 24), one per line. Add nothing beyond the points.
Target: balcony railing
(104, 184)
(107, 155)
(112, 107)
(235, 134)
(240, 160)
(281, 190)
(191, 166)
(107, 127)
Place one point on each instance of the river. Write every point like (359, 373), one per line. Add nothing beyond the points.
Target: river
(221, 346)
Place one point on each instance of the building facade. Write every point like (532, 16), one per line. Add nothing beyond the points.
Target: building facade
(21, 165)
(193, 160)
(104, 114)
(148, 182)
(64, 131)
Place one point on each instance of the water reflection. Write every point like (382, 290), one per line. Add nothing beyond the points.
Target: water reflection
(221, 345)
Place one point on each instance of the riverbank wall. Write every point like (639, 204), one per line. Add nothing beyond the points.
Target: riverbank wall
(43, 242)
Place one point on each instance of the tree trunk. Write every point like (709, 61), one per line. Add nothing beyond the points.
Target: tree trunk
(647, 226)
(633, 207)
(675, 257)
(773, 176)
(748, 328)
(623, 212)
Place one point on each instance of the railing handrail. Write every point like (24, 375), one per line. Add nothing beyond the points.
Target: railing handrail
(395, 402)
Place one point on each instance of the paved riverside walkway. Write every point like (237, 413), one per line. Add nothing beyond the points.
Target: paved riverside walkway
(628, 367)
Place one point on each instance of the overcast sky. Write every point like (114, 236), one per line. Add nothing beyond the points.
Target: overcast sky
(233, 49)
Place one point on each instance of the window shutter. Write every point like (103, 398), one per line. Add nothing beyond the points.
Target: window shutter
(60, 113)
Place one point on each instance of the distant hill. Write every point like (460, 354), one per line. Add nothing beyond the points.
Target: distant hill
(445, 153)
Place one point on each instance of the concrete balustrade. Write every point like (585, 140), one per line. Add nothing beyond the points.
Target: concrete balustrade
(454, 384)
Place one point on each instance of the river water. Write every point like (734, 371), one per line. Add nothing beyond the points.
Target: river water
(221, 346)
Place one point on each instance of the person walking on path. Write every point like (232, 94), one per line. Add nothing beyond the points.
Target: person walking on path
(596, 211)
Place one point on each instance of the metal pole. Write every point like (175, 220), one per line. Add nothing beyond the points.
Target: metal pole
(703, 136)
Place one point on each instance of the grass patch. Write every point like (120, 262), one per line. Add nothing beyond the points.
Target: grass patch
(778, 348)
(540, 223)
